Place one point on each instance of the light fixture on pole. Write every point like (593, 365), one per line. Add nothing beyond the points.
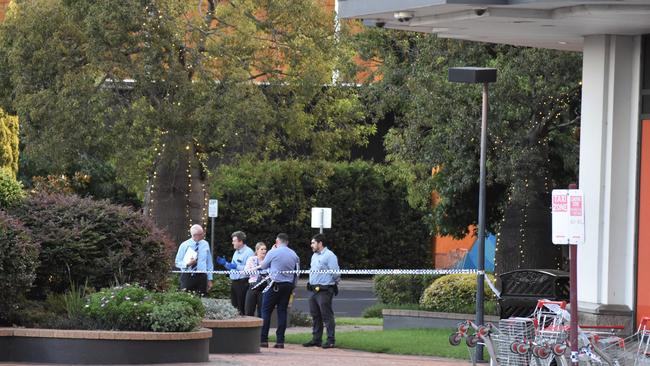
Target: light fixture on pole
(478, 75)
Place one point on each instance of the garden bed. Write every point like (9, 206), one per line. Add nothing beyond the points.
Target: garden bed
(102, 347)
(239, 335)
(405, 319)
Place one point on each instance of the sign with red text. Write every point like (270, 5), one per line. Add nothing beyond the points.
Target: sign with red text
(568, 216)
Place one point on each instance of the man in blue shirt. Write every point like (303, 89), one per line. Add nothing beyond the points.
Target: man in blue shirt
(280, 258)
(324, 286)
(199, 259)
(239, 282)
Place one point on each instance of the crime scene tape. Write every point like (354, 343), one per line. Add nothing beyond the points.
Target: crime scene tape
(350, 271)
(365, 272)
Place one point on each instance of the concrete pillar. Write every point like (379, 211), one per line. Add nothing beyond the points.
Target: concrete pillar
(608, 177)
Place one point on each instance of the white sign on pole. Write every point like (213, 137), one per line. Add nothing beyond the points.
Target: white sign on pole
(568, 216)
(213, 208)
(321, 216)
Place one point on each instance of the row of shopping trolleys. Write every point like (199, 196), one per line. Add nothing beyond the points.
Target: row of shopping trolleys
(543, 340)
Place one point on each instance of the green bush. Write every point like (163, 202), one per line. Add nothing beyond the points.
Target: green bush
(174, 316)
(220, 287)
(9, 143)
(373, 224)
(453, 293)
(18, 259)
(11, 191)
(401, 289)
(219, 309)
(132, 307)
(374, 311)
(121, 308)
(94, 242)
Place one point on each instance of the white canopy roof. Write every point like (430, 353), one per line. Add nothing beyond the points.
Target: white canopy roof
(558, 24)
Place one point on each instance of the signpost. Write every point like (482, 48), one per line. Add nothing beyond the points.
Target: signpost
(568, 221)
(321, 217)
(213, 211)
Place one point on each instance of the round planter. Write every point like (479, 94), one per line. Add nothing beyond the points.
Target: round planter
(102, 347)
(239, 335)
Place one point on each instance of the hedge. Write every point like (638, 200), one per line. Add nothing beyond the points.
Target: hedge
(18, 259)
(401, 289)
(454, 293)
(373, 225)
(8, 143)
(11, 190)
(94, 242)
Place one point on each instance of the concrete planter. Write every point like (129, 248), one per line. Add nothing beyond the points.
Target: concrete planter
(404, 319)
(239, 335)
(102, 347)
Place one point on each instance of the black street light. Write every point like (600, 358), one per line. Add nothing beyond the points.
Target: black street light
(478, 75)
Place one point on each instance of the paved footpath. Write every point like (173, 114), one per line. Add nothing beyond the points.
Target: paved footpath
(300, 356)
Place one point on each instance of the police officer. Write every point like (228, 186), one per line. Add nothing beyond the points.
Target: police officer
(324, 286)
(239, 282)
(280, 258)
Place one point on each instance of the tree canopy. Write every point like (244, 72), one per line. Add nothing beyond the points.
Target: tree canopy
(532, 133)
(135, 84)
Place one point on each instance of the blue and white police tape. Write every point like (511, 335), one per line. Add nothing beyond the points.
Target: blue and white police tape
(365, 272)
(352, 271)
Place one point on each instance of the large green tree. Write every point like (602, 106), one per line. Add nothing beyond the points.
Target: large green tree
(532, 134)
(159, 89)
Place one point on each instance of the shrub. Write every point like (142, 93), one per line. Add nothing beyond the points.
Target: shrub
(453, 293)
(181, 296)
(11, 191)
(18, 259)
(94, 241)
(220, 287)
(132, 307)
(401, 289)
(174, 316)
(9, 143)
(219, 309)
(374, 311)
(373, 224)
(121, 308)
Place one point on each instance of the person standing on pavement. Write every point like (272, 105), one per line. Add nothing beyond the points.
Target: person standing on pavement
(254, 295)
(280, 258)
(198, 260)
(239, 281)
(324, 286)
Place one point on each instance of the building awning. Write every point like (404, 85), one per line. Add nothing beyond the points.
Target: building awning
(555, 24)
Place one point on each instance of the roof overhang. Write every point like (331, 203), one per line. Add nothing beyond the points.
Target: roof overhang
(555, 24)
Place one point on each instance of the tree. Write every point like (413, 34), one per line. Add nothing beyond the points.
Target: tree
(532, 137)
(161, 89)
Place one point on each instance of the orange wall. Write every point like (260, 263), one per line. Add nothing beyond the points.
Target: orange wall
(447, 250)
(643, 255)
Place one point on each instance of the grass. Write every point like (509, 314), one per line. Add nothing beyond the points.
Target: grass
(359, 321)
(425, 342)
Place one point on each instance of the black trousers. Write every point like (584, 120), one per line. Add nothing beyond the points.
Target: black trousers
(238, 294)
(277, 297)
(254, 301)
(322, 313)
(196, 282)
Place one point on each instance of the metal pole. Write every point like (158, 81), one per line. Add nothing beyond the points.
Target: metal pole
(212, 237)
(480, 280)
(573, 297)
(322, 219)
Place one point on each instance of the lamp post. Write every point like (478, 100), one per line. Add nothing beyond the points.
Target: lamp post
(476, 75)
